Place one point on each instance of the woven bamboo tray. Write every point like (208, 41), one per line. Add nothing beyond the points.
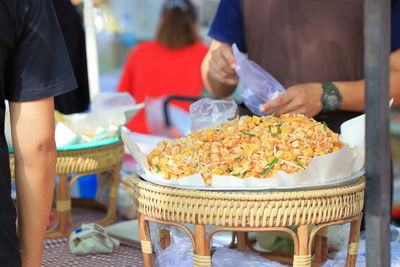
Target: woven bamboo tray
(247, 209)
(85, 160)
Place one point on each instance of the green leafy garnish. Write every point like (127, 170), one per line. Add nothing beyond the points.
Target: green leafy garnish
(299, 163)
(158, 168)
(246, 133)
(236, 174)
(243, 173)
(325, 126)
(269, 166)
(229, 170)
(269, 128)
(279, 129)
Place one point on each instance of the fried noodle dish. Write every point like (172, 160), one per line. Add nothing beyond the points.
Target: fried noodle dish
(250, 147)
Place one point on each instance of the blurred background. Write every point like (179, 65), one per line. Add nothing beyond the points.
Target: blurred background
(122, 24)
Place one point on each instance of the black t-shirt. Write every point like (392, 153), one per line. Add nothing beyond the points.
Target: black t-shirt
(34, 65)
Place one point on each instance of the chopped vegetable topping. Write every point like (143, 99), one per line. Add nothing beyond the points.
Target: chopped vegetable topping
(246, 133)
(299, 163)
(270, 165)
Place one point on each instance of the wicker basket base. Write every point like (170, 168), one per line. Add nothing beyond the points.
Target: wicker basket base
(252, 212)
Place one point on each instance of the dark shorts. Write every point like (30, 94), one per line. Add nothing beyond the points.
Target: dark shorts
(9, 247)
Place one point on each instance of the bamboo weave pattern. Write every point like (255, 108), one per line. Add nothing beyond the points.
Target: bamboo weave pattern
(201, 261)
(352, 248)
(146, 247)
(302, 261)
(247, 209)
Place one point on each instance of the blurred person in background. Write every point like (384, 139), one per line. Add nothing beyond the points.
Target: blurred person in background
(170, 65)
(313, 48)
(34, 67)
(74, 36)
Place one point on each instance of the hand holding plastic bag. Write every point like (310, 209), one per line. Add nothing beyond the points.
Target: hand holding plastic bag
(259, 86)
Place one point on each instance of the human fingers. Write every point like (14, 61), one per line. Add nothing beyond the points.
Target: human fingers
(220, 70)
(224, 64)
(221, 76)
(277, 104)
(227, 53)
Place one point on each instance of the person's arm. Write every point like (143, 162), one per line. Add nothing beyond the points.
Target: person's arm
(306, 98)
(38, 69)
(218, 70)
(32, 125)
(218, 67)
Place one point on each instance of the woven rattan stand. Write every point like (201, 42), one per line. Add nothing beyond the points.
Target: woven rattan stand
(73, 164)
(243, 212)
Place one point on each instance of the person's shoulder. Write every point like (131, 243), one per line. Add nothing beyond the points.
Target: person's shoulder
(147, 46)
(143, 49)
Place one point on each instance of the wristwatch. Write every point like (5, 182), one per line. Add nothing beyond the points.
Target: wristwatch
(331, 98)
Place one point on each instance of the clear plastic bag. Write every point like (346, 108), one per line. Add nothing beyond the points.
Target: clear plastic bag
(114, 109)
(180, 251)
(177, 254)
(155, 116)
(225, 257)
(259, 86)
(340, 257)
(208, 113)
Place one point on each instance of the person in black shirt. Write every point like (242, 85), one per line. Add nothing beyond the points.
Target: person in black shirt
(34, 67)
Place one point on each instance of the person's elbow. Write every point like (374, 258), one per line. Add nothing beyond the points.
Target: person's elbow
(41, 149)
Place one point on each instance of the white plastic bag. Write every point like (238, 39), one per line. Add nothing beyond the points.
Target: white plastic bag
(208, 113)
(259, 86)
(340, 257)
(180, 251)
(114, 109)
(225, 257)
(155, 116)
(177, 254)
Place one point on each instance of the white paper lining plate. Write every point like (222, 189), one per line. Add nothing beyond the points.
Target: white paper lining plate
(303, 187)
(328, 169)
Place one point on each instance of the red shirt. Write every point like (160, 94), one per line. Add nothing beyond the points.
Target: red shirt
(156, 71)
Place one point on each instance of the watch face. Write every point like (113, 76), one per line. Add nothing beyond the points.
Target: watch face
(332, 102)
(331, 98)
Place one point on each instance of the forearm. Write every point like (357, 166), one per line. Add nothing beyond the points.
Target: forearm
(35, 170)
(353, 93)
(32, 125)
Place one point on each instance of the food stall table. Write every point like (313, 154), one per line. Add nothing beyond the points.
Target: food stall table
(241, 212)
(75, 161)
